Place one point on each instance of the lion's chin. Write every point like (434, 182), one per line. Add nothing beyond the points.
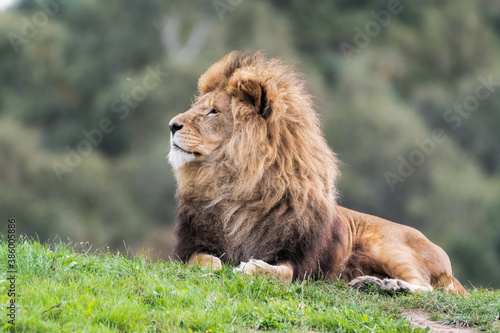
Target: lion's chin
(178, 158)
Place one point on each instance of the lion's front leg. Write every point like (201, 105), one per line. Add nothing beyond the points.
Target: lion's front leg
(205, 260)
(283, 272)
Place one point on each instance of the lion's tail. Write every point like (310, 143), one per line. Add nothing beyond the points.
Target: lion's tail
(455, 287)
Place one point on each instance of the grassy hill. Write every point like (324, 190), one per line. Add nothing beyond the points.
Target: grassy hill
(71, 288)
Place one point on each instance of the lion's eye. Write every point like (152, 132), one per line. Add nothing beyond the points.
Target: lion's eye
(212, 112)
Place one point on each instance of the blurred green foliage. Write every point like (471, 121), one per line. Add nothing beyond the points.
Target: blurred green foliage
(87, 89)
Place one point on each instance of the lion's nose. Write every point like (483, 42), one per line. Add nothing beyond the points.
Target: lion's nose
(174, 127)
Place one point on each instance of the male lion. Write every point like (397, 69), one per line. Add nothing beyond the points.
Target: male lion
(256, 188)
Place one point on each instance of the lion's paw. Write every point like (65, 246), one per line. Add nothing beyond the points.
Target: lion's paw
(240, 268)
(363, 282)
(283, 272)
(205, 260)
(252, 267)
(387, 284)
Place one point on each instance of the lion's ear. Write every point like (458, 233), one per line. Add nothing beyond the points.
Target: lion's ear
(251, 91)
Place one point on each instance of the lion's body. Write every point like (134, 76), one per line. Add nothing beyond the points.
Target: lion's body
(256, 180)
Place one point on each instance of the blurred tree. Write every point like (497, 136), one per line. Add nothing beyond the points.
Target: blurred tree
(82, 50)
(108, 76)
(88, 204)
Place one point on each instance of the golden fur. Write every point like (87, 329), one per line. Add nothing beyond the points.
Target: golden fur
(257, 184)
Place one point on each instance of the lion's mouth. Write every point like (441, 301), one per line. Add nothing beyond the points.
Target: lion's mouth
(177, 147)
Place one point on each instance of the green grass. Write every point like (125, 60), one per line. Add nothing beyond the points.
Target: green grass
(63, 288)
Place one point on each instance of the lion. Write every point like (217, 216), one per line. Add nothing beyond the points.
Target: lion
(256, 189)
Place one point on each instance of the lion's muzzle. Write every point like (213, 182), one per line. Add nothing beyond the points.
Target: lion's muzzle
(174, 127)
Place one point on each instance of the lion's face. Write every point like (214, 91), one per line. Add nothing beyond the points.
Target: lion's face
(252, 133)
(199, 132)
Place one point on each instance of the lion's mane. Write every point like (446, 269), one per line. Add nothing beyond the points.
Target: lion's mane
(270, 191)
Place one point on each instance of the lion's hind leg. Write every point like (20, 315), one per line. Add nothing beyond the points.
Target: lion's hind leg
(387, 284)
(283, 272)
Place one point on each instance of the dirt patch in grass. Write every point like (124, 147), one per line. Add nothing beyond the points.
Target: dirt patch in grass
(420, 319)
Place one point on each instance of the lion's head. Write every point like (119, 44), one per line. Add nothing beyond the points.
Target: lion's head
(252, 139)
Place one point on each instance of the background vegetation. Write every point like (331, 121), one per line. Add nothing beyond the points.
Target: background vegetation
(85, 102)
